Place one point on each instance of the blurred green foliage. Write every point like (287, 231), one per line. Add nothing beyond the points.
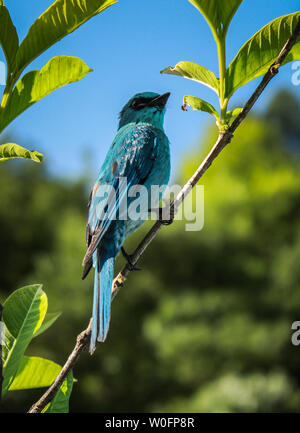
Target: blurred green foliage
(207, 325)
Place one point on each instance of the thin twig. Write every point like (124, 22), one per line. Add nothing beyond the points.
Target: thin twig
(223, 139)
(82, 341)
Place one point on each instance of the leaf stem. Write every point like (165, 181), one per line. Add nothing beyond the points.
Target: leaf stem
(10, 83)
(221, 45)
(6, 93)
(5, 97)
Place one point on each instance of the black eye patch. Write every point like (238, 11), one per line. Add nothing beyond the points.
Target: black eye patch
(139, 103)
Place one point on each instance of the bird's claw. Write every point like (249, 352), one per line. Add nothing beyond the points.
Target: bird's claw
(128, 257)
(166, 222)
(165, 215)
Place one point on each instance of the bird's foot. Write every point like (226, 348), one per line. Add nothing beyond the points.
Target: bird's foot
(165, 215)
(128, 257)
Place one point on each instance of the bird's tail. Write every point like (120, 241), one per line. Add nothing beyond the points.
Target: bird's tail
(104, 269)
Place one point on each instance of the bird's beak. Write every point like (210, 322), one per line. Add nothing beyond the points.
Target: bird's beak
(160, 101)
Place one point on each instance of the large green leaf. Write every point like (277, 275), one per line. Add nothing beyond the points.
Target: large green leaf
(12, 150)
(60, 19)
(7, 341)
(195, 72)
(35, 372)
(259, 52)
(218, 14)
(8, 36)
(36, 84)
(23, 314)
(60, 403)
(201, 105)
(50, 318)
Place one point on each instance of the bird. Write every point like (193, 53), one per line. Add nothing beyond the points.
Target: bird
(139, 155)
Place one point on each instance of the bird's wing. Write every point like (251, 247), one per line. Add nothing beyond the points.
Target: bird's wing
(133, 159)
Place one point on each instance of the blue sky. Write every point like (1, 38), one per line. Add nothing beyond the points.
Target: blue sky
(127, 46)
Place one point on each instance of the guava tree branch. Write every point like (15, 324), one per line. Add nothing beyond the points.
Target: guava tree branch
(222, 141)
(82, 341)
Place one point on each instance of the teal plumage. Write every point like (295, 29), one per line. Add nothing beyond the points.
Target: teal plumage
(140, 155)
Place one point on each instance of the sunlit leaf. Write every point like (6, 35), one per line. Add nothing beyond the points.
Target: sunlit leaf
(60, 403)
(259, 52)
(34, 372)
(199, 104)
(7, 340)
(35, 85)
(23, 314)
(230, 115)
(8, 36)
(195, 72)
(50, 318)
(12, 151)
(60, 19)
(218, 13)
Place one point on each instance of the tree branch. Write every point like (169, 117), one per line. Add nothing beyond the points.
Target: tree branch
(223, 139)
(82, 341)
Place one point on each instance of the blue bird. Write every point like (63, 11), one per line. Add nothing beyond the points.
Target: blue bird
(139, 155)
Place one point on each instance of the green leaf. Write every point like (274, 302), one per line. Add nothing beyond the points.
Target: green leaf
(12, 150)
(60, 19)
(23, 314)
(218, 14)
(8, 37)
(195, 72)
(35, 85)
(34, 372)
(50, 318)
(259, 52)
(199, 104)
(60, 403)
(24, 306)
(7, 341)
(230, 115)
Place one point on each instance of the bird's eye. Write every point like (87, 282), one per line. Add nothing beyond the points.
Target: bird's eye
(138, 104)
(134, 105)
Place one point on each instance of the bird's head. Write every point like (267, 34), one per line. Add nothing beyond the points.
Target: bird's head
(145, 107)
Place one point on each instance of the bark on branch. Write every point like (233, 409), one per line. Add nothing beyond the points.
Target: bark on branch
(223, 139)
